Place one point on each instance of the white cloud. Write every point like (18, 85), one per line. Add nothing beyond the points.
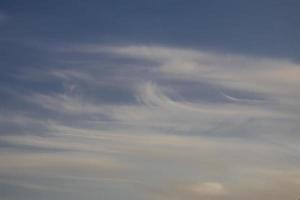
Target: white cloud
(248, 73)
(207, 189)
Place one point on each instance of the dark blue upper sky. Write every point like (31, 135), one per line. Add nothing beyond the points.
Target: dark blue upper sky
(260, 27)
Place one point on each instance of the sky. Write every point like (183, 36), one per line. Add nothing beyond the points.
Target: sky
(149, 100)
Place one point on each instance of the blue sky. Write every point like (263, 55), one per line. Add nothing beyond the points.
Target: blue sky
(149, 100)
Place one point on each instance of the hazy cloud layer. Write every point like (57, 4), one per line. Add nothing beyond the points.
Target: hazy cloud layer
(150, 122)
